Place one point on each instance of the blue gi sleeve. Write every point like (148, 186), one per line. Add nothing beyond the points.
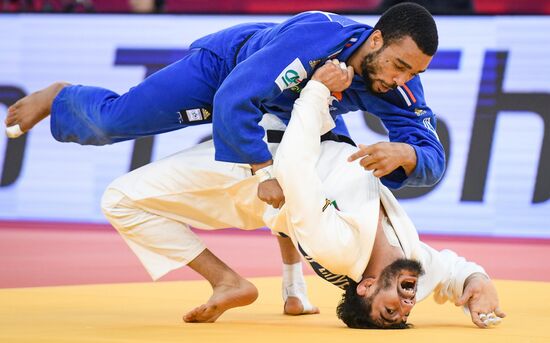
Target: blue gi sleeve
(279, 65)
(409, 120)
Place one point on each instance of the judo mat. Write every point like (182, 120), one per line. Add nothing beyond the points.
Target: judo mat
(94, 309)
(151, 312)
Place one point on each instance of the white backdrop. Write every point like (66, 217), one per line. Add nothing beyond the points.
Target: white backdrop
(65, 181)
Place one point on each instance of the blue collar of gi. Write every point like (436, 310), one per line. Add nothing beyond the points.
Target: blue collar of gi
(354, 43)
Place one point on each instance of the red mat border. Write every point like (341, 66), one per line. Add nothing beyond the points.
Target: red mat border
(73, 225)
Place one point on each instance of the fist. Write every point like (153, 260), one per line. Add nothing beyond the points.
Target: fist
(334, 75)
(271, 193)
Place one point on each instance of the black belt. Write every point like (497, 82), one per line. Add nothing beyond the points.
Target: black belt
(240, 47)
(275, 136)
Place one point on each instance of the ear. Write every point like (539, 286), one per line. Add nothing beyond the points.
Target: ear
(364, 287)
(377, 41)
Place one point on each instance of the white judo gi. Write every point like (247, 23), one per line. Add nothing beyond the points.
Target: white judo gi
(153, 207)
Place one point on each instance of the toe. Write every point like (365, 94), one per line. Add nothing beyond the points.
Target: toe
(313, 310)
(191, 316)
(10, 121)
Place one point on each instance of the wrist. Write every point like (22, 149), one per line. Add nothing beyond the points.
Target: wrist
(319, 84)
(410, 159)
(265, 173)
(257, 166)
(476, 275)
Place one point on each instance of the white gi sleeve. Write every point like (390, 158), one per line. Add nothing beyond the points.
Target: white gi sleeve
(299, 150)
(325, 234)
(445, 274)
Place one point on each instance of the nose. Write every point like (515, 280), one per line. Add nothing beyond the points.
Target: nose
(400, 79)
(407, 305)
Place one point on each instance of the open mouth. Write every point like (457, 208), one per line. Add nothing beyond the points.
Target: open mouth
(407, 286)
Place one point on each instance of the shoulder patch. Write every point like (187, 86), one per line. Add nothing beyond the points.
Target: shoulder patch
(419, 112)
(292, 75)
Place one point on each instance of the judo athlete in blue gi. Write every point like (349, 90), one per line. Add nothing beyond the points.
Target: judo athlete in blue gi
(234, 76)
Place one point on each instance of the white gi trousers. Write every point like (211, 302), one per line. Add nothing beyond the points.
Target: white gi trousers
(152, 207)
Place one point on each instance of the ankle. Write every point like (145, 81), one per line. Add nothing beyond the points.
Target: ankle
(292, 274)
(228, 280)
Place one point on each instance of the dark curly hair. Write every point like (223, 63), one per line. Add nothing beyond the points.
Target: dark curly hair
(356, 311)
(409, 19)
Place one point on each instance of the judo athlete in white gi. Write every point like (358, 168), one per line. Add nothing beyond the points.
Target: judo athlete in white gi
(348, 226)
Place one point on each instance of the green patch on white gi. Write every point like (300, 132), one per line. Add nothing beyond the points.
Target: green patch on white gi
(328, 203)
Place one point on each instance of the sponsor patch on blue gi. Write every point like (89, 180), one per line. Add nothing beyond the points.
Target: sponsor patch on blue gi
(292, 75)
(194, 116)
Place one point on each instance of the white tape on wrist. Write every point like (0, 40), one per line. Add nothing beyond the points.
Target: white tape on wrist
(14, 131)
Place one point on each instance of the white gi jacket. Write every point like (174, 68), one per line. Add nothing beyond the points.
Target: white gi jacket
(341, 240)
(152, 207)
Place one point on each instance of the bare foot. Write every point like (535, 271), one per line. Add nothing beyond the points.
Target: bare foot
(294, 307)
(30, 110)
(225, 297)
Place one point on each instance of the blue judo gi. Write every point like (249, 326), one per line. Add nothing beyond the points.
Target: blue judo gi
(232, 77)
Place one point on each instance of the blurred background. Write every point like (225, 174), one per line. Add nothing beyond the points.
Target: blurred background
(489, 85)
(268, 6)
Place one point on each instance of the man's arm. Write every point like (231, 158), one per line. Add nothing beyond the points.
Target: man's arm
(280, 64)
(453, 278)
(383, 158)
(414, 156)
(334, 77)
(333, 238)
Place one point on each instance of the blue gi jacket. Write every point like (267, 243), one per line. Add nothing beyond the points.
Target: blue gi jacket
(266, 66)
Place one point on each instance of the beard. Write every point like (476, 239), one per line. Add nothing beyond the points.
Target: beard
(370, 68)
(390, 272)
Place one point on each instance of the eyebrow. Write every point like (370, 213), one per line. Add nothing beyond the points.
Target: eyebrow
(387, 320)
(403, 63)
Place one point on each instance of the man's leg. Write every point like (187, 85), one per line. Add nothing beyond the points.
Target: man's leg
(294, 286)
(151, 206)
(97, 116)
(163, 244)
(229, 289)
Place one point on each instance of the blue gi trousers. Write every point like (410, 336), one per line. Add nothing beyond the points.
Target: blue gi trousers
(97, 116)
